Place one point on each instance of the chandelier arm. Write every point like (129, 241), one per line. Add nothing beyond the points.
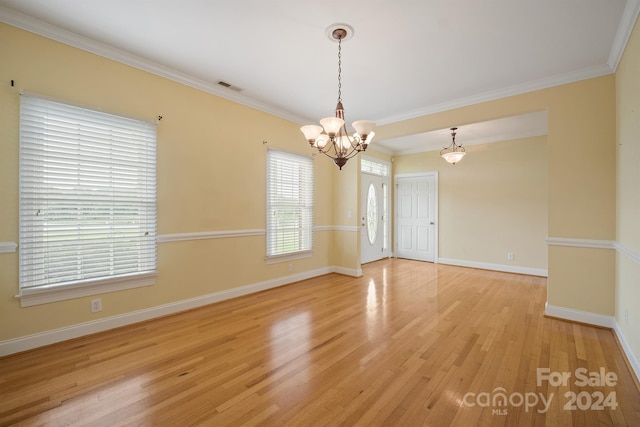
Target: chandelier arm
(336, 143)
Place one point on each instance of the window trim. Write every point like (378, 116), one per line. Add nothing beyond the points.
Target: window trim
(53, 293)
(302, 253)
(46, 293)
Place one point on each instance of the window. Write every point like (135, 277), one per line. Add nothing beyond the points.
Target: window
(87, 198)
(374, 168)
(289, 204)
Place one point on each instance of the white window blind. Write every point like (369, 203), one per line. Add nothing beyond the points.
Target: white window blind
(87, 195)
(289, 203)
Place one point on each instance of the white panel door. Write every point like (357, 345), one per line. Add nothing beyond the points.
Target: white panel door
(416, 231)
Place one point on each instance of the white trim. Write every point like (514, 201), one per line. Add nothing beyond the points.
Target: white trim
(557, 80)
(52, 32)
(581, 243)
(353, 228)
(33, 25)
(203, 235)
(353, 272)
(626, 348)
(596, 319)
(628, 252)
(40, 339)
(627, 22)
(276, 259)
(43, 295)
(579, 316)
(496, 267)
(8, 247)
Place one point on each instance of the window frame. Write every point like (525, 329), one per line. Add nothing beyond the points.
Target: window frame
(38, 117)
(303, 190)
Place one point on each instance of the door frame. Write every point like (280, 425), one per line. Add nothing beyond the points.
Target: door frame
(395, 209)
(390, 224)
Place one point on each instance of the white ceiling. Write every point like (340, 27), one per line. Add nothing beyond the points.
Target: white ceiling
(406, 58)
(504, 129)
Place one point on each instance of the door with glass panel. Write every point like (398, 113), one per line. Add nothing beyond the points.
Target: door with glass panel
(374, 206)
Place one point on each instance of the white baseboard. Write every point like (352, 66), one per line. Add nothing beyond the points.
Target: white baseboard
(497, 267)
(348, 271)
(579, 316)
(597, 320)
(628, 351)
(40, 339)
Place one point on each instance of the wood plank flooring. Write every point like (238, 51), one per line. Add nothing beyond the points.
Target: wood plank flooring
(407, 344)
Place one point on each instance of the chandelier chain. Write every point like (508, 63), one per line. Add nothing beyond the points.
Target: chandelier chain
(340, 69)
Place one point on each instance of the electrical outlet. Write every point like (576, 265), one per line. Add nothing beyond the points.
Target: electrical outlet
(290, 268)
(510, 256)
(96, 305)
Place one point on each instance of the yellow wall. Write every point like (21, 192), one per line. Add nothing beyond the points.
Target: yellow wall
(628, 191)
(581, 176)
(211, 177)
(204, 186)
(493, 202)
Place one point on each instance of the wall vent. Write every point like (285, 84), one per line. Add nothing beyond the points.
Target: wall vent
(229, 86)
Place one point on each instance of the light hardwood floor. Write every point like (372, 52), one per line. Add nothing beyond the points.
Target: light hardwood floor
(408, 344)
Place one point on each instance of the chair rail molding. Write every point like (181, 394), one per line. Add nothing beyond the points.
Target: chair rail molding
(8, 247)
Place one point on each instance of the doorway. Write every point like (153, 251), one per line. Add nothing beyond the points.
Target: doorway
(416, 208)
(374, 210)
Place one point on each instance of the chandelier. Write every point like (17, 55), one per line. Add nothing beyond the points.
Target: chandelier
(332, 138)
(453, 153)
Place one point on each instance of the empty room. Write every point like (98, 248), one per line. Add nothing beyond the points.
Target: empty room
(312, 213)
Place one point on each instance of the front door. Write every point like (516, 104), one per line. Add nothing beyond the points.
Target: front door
(416, 229)
(373, 218)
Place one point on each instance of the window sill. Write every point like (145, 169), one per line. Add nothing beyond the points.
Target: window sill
(288, 257)
(47, 294)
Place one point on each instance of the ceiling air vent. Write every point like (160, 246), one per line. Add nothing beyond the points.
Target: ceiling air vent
(229, 86)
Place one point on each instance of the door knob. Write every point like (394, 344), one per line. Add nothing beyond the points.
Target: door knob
(431, 222)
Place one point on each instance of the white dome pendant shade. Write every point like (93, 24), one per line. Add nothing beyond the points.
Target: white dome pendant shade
(453, 153)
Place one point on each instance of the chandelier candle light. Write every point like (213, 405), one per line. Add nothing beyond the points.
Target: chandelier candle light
(335, 142)
(453, 153)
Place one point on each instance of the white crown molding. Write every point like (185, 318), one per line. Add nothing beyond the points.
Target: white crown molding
(27, 23)
(581, 243)
(628, 252)
(627, 22)
(495, 267)
(49, 31)
(560, 79)
(8, 247)
(579, 316)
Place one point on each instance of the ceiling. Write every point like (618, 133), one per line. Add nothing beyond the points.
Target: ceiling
(406, 58)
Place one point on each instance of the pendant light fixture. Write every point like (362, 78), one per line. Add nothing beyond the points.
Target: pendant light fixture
(453, 153)
(332, 138)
